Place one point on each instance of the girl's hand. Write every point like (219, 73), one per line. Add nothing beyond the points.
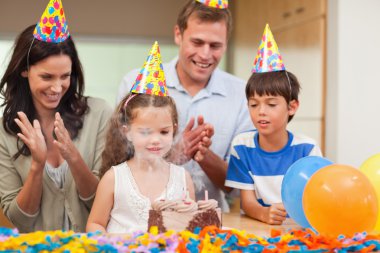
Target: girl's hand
(63, 140)
(33, 138)
(276, 214)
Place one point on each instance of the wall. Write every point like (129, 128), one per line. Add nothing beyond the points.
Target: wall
(353, 84)
(137, 18)
(104, 63)
(112, 37)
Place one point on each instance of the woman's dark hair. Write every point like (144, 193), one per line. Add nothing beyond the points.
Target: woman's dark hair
(118, 148)
(277, 83)
(16, 92)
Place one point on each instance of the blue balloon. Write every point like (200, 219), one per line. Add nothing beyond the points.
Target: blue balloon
(294, 183)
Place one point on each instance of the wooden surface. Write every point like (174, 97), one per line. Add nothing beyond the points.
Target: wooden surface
(229, 220)
(235, 220)
(4, 222)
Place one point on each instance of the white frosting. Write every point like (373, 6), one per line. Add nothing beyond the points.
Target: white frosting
(207, 204)
(186, 206)
(180, 206)
(164, 204)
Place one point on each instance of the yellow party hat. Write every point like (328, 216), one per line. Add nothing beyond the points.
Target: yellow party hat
(268, 58)
(151, 79)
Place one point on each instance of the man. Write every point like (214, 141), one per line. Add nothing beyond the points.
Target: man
(204, 92)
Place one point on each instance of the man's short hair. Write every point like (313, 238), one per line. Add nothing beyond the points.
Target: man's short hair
(203, 13)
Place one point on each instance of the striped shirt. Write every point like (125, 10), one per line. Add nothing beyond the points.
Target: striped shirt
(252, 168)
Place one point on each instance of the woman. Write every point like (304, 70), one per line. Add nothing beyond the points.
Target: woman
(51, 137)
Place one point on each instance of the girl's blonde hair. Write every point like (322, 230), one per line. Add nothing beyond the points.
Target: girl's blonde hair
(118, 148)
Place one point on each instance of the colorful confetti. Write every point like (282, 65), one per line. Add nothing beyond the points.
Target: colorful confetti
(209, 239)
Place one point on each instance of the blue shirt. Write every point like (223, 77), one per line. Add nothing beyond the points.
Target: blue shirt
(252, 168)
(222, 103)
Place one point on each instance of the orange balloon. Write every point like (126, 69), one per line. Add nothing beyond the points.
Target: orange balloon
(339, 199)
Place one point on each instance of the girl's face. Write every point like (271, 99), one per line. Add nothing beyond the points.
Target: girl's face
(49, 80)
(151, 132)
(270, 114)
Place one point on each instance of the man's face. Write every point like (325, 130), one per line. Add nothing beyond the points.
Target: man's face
(201, 46)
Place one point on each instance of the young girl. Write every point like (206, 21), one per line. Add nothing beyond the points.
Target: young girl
(139, 139)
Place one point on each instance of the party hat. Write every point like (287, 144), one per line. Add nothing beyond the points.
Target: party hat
(151, 79)
(220, 4)
(52, 26)
(268, 58)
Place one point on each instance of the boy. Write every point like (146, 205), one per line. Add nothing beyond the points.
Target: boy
(260, 158)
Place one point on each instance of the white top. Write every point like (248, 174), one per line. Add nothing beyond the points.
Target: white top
(222, 103)
(130, 210)
(58, 175)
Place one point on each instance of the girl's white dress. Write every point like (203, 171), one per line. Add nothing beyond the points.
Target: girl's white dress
(130, 210)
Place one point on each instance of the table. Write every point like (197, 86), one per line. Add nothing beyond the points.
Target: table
(242, 222)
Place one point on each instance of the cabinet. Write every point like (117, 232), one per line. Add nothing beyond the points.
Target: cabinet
(299, 28)
(287, 12)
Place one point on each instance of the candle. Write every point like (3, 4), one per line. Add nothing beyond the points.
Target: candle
(183, 193)
(206, 195)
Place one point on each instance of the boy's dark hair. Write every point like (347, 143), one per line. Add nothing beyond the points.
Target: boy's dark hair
(274, 84)
(118, 148)
(16, 91)
(205, 14)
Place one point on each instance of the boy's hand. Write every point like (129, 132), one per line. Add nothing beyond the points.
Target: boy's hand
(276, 214)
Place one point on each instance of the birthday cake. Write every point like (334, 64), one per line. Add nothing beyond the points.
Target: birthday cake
(184, 214)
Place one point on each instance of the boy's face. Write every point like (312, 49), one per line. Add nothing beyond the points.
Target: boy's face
(270, 114)
(201, 47)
